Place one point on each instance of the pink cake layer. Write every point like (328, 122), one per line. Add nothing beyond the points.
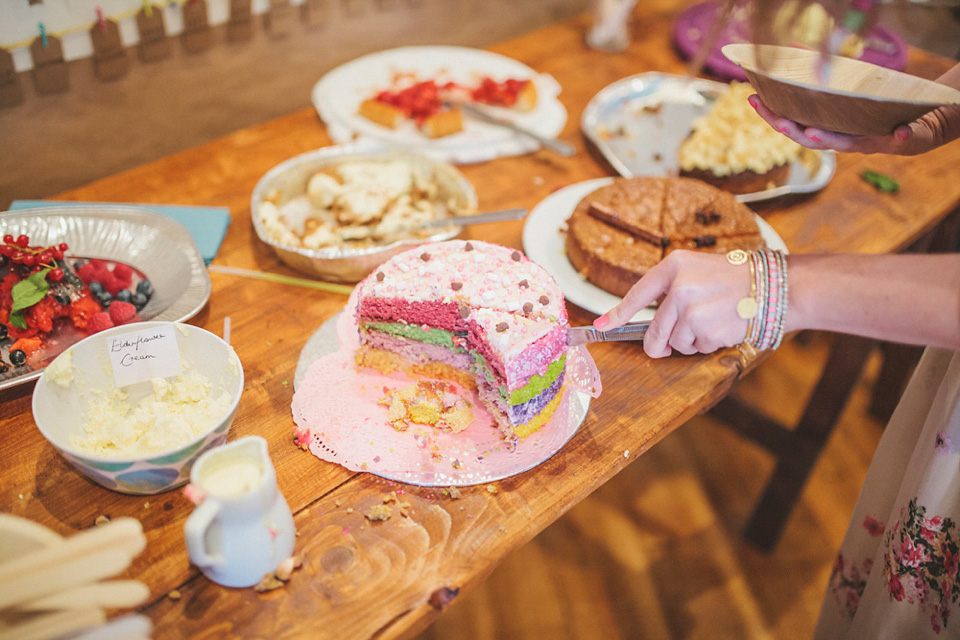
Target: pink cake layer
(416, 352)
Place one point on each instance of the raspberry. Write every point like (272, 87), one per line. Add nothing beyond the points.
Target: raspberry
(124, 272)
(87, 272)
(113, 284)
(99, 321)
(122, 312)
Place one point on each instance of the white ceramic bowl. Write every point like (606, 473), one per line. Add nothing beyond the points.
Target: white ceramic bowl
(289, 180)
(60, 412)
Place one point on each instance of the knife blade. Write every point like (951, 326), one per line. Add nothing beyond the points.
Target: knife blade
(476, 218)
(630, 331)
(557, 146)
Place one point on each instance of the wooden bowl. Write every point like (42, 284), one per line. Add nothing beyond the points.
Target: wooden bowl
(859, 98)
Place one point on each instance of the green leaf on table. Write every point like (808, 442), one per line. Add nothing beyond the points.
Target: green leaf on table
(880, 182)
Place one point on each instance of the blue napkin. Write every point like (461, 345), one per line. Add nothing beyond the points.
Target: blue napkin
(207, 225)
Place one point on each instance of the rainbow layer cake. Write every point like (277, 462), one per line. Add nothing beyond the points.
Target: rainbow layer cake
(481, 315)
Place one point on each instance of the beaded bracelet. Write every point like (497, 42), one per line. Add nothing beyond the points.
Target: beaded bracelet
(766, 307)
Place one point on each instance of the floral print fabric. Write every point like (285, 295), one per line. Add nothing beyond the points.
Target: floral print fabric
(896, 573)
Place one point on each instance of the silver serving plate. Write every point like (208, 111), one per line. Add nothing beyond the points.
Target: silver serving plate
(639, 122)
(156, 245)
(290, 177)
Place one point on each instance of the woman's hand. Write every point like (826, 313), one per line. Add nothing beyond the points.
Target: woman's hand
(698, 295)
(928, 132)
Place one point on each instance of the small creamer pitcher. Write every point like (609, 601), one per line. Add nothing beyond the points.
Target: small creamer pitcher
(242, 527)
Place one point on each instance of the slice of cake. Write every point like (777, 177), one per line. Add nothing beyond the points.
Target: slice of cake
(475, 313)
(734, 149)
(620, 231)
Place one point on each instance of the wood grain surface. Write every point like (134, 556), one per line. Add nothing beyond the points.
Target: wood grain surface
(391, 579)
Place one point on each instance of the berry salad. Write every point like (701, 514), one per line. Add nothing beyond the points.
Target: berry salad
(49, 300)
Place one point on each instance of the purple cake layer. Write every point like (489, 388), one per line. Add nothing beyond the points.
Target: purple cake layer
(519, 413)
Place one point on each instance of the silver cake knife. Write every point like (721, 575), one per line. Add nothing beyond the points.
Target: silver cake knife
(630, 331)
(557, 146)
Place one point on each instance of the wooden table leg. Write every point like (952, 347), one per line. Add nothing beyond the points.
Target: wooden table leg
(796, 450)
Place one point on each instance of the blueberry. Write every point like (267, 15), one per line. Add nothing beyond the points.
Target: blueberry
(79, 263)
(139, 301)
(3, 331)
(18, 357)
(95, 287)
(104, 298)
(145, 287)
(62, 298)
(124, 295)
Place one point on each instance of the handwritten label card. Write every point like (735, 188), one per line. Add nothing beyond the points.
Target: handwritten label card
(143, 355)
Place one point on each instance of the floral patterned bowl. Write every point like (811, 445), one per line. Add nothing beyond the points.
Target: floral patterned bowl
(71, 389)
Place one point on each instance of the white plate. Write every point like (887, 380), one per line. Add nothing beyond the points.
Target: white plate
(338, 94)
(639, 122)
(155, 244)
(544, 243)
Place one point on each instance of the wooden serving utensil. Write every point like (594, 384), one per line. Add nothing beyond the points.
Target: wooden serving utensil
(858, 98)
(109, 594)
(48, 625)
(83, 558)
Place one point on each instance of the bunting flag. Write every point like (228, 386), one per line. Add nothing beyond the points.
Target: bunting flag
(10, 91)
(112, 60)
(154, 44)
(49, 68)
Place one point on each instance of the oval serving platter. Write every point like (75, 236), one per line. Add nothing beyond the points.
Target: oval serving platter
(152, 243)
(639, 122)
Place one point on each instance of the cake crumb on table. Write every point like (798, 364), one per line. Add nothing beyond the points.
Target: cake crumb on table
(174, 595)
(492, 489)
(281, 575)
(379, 512)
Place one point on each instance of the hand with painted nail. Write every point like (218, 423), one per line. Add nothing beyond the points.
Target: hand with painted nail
(698, 296)
(924, 134)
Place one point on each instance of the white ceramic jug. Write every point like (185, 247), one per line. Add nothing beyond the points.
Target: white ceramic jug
(242, 528)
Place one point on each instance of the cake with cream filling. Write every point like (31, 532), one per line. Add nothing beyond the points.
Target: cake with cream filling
(733, 148)
(476, 313)
(618, 232)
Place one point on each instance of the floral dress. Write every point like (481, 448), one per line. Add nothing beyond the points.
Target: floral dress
(896, 574)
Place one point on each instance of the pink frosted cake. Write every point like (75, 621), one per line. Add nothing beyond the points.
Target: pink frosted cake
(476, 313)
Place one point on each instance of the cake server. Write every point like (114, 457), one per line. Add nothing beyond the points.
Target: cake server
(557, 146)
(476, 218)
(630, 331)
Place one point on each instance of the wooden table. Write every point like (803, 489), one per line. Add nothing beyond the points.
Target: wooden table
(390, 579)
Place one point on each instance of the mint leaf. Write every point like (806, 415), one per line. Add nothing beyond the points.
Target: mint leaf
(29, 292)
(17, 320)
(880, 181)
